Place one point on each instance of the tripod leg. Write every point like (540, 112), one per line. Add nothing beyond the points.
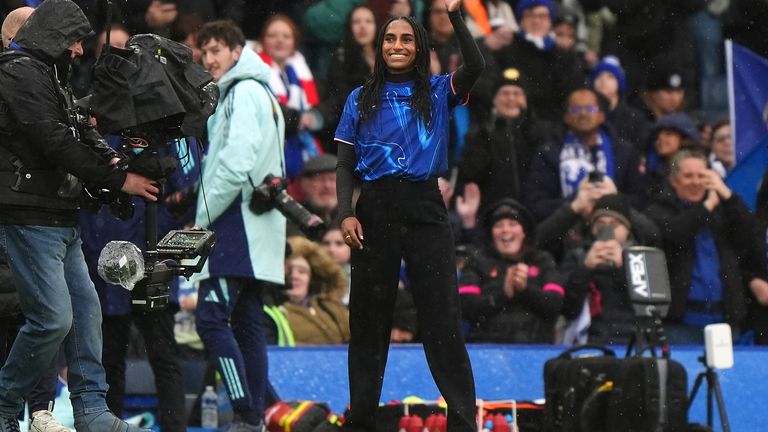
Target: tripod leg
(709, 400)
(695, 389)
(715, 385)
(632, 340)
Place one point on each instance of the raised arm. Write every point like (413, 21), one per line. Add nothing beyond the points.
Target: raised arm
(474, 63)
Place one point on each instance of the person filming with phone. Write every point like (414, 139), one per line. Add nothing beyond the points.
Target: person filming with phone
(706, 231)
(588, 150)
(596, 299)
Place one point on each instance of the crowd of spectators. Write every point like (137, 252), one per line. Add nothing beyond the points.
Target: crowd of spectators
(593, 128)
(596, 125)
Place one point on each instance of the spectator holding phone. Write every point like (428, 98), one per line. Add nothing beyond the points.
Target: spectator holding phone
(597, 286)
(587, 146)
(707, 230)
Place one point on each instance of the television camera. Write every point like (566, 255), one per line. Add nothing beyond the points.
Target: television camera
(151, 94)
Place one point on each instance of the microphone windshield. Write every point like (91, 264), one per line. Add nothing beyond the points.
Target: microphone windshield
(121, 263)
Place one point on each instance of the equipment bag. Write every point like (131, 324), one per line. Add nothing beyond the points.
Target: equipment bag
(603, 393)
(648, 395)
(295, 416)
(569, 379)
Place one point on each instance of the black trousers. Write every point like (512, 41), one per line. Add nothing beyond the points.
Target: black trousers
(157, 329)
(406, 220)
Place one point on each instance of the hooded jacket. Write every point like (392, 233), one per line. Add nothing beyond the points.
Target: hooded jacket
(246, 135)
(38, 147)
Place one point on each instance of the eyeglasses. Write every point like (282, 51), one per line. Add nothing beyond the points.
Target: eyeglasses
(721, 138)
(533, 15)
(576, 109)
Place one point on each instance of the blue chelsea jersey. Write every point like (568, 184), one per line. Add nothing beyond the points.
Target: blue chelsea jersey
(394, 141)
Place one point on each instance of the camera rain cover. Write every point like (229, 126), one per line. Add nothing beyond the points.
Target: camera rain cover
(152, 86)
(121, 263)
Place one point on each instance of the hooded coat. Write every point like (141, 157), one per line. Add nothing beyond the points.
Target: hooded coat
(246, 136)
(38, 147)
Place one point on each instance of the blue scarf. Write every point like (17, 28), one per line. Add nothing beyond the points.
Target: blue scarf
(577, 160)
(544, 44)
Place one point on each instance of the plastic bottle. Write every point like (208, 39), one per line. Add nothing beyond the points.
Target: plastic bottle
(209, 409)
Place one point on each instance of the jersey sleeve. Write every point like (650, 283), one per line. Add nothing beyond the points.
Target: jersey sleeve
(442, 86)
(346, 131)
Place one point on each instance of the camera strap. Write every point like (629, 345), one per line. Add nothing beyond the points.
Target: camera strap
(275, 118)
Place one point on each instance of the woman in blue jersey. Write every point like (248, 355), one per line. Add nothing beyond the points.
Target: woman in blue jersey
(393, 136)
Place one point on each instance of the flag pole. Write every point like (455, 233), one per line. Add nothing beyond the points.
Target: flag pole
(731, 93)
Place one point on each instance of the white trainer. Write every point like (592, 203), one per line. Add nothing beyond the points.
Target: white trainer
(44, 421)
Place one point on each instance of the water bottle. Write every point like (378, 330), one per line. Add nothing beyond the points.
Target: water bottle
(209, 409)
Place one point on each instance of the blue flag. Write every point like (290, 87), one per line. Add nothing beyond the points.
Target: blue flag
(748, 100)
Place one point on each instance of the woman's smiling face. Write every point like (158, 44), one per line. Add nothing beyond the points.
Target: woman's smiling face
(399, 46)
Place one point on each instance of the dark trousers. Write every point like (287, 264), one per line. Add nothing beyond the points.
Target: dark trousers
(406, 220)
(157, 330)
(229, 321)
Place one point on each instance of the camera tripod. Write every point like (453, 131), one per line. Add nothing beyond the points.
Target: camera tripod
(713, 389)
(648, 335)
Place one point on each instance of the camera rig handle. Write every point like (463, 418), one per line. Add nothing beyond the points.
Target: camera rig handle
(178, 253)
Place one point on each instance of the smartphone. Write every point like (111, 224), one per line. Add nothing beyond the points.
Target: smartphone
(595, 177)
(605, 232)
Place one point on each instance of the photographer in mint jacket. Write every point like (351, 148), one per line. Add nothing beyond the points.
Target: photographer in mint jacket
(246, 144)
(44, 156)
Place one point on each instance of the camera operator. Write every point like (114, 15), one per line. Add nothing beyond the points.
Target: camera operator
(42, 159)
(98, 228)
(40, 399)
(246, 145)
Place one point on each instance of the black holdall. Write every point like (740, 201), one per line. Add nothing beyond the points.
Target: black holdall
(569, 379)
(603, 393)
(649, 394)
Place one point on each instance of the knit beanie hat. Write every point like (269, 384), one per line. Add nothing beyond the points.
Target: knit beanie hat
(664, 74)
(612, 65)
(510, 76)
(680, 122)
(525, 4)
(612, 205)
(508, 208)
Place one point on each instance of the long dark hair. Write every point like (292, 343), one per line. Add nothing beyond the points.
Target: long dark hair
(354, 62)
(370, 95)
